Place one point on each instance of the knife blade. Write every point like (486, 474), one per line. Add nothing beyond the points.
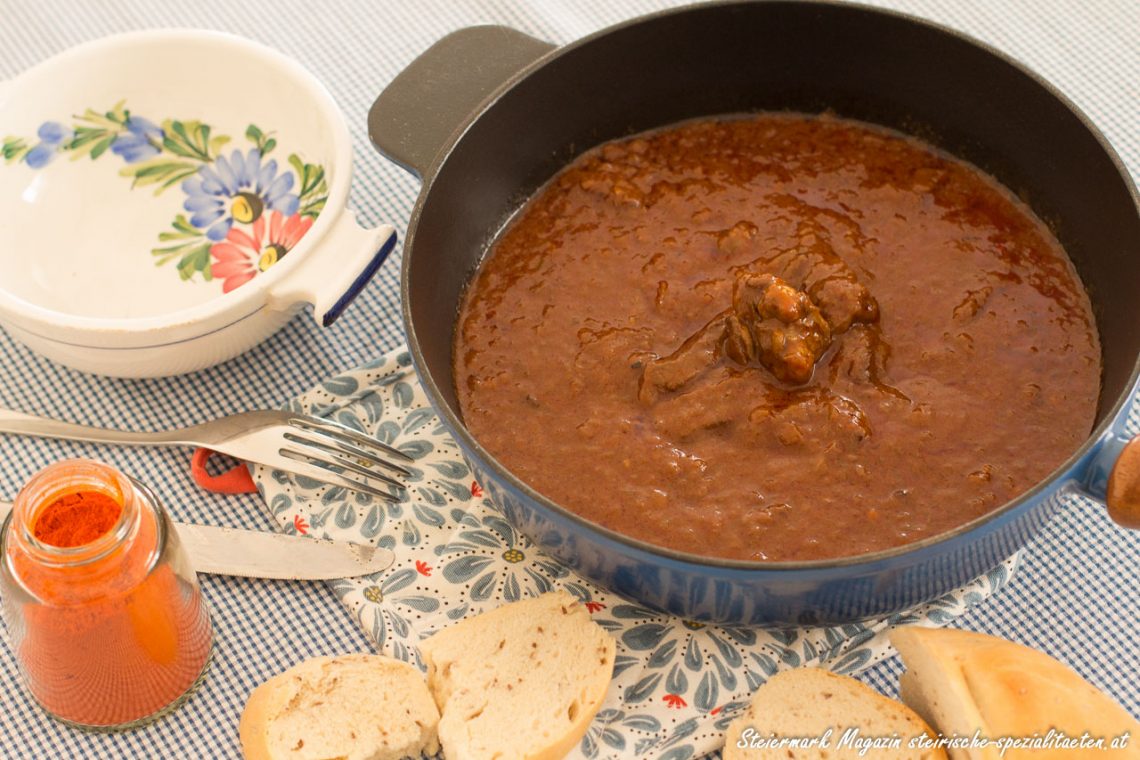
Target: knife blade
(276, 556)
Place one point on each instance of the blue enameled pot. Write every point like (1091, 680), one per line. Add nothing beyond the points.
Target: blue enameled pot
(487, 115)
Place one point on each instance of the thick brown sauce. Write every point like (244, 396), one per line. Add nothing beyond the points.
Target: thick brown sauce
(961, 362)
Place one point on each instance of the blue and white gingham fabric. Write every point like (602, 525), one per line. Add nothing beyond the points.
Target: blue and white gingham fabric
(1076, 596)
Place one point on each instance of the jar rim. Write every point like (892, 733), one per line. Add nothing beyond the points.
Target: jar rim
(70, 476)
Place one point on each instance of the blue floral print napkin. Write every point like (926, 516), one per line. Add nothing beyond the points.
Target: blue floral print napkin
(676, 685)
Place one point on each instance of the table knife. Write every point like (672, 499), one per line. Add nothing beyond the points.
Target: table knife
(278, 556)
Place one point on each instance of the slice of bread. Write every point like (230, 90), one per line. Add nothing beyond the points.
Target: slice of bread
(964, 682)
(352, 707)
(521, 682)
(797, 706)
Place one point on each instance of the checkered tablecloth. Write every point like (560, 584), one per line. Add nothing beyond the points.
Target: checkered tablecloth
(1076, 595)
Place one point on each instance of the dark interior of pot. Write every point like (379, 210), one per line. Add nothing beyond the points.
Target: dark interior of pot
(809, 57)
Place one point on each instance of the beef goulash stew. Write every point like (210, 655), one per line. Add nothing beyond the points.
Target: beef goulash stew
(777, 337)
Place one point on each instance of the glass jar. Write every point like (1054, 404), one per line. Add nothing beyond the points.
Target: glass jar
(107, 623)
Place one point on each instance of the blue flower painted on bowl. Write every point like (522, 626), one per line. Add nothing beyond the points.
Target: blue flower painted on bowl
(237, 188)
(142, 140)
(52, 136)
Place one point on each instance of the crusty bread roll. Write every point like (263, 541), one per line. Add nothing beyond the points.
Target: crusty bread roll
(521, 682)
(965, 682)
(352, 707)
(810, 702)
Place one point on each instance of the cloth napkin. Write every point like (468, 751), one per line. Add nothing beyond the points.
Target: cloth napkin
(677, 683)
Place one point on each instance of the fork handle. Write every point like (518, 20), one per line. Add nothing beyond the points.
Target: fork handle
(19, 423)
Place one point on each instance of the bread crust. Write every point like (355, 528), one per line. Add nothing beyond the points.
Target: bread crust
(963, 681)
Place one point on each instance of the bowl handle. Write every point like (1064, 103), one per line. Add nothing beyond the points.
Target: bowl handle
(1112, 476)
(416, 116)
(336, 270)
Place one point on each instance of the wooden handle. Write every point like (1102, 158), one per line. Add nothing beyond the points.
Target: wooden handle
(1123, 496)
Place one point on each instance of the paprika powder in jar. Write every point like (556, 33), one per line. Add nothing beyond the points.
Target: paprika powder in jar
(103, 610)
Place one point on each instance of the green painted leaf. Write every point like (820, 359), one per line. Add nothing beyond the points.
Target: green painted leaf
(101, 147)
(14, 149)
(197, 259)
(161, 171)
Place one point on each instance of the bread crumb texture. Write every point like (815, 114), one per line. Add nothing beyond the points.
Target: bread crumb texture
(351, 707)
(521, 682)
(806, 703)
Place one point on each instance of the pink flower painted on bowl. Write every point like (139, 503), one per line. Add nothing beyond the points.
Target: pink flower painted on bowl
(239, 257)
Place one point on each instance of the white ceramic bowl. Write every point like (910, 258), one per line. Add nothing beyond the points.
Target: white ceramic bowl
(168, 199)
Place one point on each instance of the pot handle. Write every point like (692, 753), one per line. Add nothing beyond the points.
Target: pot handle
(1113, 475)
(336, 270)
(416, 115)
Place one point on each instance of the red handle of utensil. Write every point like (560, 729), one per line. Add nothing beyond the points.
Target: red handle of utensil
(235, 480)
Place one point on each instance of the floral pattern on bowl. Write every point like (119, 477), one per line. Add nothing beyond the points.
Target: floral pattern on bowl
(678, 683)
(245, 212)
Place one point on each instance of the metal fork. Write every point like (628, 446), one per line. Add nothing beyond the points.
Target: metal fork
(308, 446)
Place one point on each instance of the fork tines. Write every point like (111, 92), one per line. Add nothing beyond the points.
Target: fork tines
(331, 452)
